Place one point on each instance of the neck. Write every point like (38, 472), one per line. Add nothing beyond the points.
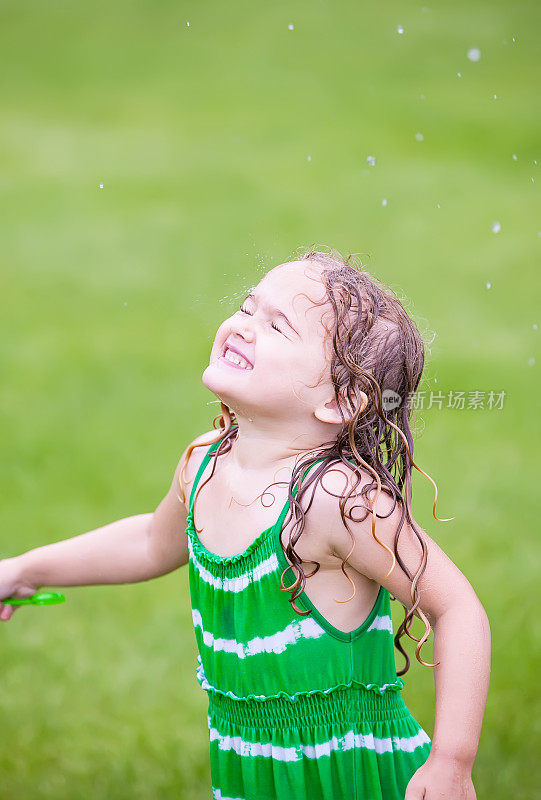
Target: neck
(265, 446)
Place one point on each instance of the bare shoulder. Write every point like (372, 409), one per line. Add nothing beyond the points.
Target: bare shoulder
(190, 461)
(441, 583)
(344, 481)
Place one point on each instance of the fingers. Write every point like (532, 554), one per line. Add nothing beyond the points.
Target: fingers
(7, 611)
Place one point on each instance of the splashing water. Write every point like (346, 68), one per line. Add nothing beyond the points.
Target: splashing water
(474, 54)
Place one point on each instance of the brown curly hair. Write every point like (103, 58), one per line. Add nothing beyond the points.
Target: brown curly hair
(376, 350)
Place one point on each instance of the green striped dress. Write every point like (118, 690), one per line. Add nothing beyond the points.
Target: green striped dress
(296, 708)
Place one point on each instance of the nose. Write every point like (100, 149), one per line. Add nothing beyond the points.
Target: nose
(245, 331)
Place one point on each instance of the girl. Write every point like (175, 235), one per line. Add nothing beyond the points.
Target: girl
(291, 611)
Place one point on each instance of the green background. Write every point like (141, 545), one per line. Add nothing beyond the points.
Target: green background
(224, 147)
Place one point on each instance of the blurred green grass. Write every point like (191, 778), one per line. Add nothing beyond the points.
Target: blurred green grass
(201, 136)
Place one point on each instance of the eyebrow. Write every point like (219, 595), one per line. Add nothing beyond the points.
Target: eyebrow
(275, 311)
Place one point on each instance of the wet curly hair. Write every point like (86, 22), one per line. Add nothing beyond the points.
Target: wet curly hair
(376, 350)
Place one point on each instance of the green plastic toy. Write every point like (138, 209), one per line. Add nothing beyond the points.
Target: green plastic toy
(39, 599)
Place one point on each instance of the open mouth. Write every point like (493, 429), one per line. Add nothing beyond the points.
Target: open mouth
(233, 359)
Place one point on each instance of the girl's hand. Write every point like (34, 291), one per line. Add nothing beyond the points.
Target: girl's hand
(12, 585)
(441, 778)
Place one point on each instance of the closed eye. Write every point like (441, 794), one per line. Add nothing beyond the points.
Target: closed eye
(273, 324)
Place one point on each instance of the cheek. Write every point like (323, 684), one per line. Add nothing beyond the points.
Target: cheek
(310, 369)
(299, 363)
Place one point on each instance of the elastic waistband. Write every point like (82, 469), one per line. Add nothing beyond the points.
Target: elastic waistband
(351, 705)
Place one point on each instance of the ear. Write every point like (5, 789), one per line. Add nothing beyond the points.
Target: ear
(328, 411)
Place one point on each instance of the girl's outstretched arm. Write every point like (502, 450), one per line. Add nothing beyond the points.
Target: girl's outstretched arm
(460, 624)
(136, 548)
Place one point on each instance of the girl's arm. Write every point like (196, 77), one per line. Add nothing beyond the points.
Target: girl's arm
(462, 646)
(129, 550)
(458, 724)
(137, 548)
(460, 623)
(115, 553)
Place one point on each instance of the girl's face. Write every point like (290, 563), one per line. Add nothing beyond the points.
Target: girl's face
(280, 333)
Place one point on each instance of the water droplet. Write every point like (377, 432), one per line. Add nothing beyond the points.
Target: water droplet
(125, 303)
(290, 26)
(188, 24)
(531, 361)
(101, 185)
(489, 285)
(496, 227)
(534, 326)
(438, 205)
(309, 158)
(400, 29)
(435, 380)
(459, 74)
(514, 40)
(384, 201)
(371, 160)
(533, 180)
(419, 137)
(423, 97)
(474, 54)
(515, 157)
(495, 97)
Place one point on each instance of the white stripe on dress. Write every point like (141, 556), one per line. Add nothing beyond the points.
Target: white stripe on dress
(268, 750)
(306, 628)
(217, 795)
(239, 583)
(381, 624)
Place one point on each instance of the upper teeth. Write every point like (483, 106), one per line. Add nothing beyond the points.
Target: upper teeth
(235, 358)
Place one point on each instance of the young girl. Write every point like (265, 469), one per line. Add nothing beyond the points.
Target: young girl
(291, 609)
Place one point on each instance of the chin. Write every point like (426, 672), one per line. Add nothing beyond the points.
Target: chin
(208, 377)
(222, 386)
(213, 379)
